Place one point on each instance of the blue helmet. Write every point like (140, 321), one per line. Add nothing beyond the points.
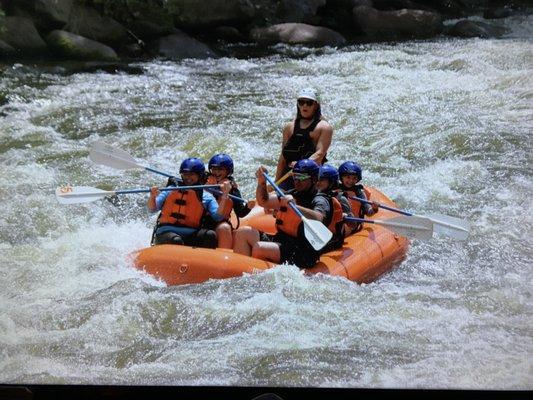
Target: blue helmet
(221, 160)
(350, 168)
(329, 172)
(193, 165)
(306, 166)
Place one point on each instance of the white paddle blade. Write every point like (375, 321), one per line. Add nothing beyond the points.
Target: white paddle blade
(316, 233)
(105, 154)
(450, 226)
(409, 226)
(79, 194)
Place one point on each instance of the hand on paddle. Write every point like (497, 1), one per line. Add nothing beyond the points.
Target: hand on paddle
(284, 201)
(154, 192)
(259, 174)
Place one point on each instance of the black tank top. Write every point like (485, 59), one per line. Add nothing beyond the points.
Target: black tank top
(300, 145)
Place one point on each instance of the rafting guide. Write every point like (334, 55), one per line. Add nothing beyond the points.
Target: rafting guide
(307, 136)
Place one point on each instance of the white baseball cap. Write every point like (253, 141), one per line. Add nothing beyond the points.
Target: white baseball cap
(308, 93)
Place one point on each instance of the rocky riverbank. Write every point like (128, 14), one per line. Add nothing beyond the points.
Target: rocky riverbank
(123, 30)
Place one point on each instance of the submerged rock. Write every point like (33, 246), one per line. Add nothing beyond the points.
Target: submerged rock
(399, 24)
(296, 33)
(95, 66)
(178, 46)
(468, 29)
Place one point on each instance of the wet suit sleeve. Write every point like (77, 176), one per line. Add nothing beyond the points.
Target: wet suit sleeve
(240, 208)
(346, 207)
(359, 192)
(321, 204)
(211, 205)
(160, 199)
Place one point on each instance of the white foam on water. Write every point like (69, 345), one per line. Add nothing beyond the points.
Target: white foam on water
(439, 126)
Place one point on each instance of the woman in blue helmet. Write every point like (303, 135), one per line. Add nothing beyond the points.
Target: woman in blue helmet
(289, 243)
(221, 171)
(307, 136)
(350, 174)
(328, 184)
(182, 216)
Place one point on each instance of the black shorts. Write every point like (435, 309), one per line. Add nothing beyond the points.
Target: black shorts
(296, 251)
(202, 238)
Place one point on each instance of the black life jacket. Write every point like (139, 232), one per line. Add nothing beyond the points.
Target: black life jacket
(300, 145)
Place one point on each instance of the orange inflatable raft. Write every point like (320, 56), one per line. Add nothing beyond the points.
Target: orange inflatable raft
(364, 256)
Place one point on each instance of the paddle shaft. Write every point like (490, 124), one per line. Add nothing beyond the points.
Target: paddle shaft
(157, 172)
(437, 221)
(280, 180)
(280, 193)
(237, 198)
(381, 206)
(127, 191)
(371, 221)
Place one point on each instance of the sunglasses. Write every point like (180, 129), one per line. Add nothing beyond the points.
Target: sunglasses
(300, 177)
(305, 102)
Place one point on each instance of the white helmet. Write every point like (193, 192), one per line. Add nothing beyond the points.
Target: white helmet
(308, 93)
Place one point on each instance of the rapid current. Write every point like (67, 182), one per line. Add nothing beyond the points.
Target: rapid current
(440, 126)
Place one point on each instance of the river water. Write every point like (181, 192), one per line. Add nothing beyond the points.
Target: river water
(441, 126)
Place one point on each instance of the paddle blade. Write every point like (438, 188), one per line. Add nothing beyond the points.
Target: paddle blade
(409, 226)
(316, 233)
(79, 194)
(450, 226)
(105, 154)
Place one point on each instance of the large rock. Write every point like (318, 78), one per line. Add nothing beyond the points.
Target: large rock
(46, 14)
(20, 33)
(338, 15)
(292, 10)
(6, 49)
(178, 46)
(468, 29)
(52, 13)
(147, 19)
(296, 33)
(400, 24)
(2, 20)
(208, 13)
(71, 46)
(89, 23)
(240, 13)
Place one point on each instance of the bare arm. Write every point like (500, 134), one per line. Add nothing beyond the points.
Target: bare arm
(263, 197)
(151, 200)
(282, 163)
(311, 214)
(323, 142)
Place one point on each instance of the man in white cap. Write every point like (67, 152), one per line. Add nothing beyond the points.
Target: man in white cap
(307, 136)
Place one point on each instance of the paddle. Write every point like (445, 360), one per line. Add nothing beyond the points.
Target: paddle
(105, 154)
(443, 224)
(284, 177)
(414, 227)
(315, 231)
(86, 194)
